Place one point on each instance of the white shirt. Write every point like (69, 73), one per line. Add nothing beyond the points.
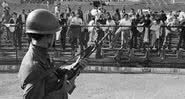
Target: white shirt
(156, 27)
(169, 18)
(174, 22)
(124, 22)
(4, 4)
(181, 16)
(56, 9)
(91, 23)
(110, 23)
(23, 18)
(76, 21)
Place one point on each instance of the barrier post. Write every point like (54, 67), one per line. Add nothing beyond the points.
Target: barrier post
(16, 52)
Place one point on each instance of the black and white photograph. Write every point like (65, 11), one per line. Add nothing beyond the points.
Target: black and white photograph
(92, 49)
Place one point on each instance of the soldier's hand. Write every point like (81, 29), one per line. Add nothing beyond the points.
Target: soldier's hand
(69, 85)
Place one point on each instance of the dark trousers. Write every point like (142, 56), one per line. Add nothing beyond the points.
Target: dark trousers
(161, 38)
(182, 38)
(100, 36)
(63, 38)
(73, 41)
(133, 41)
(84, 38)
(17, 38)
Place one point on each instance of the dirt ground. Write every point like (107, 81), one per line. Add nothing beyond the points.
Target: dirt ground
(111, 86)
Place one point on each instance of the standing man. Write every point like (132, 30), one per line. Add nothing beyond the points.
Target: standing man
(135, 32)
(63, 23)
(21, 22)
(80, 12)
(23, 16)
(13, 20)
(75, 30)
(117, 16)
(57, 10)
(182, 35)
(39, 78)
(124, 30)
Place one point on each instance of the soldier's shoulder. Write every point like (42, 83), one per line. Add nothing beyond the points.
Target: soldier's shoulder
(27, 59)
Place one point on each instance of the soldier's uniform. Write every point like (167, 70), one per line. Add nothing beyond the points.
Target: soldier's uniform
(37, 74)
(38, 77)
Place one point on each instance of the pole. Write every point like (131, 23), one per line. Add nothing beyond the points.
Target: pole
(16, 50)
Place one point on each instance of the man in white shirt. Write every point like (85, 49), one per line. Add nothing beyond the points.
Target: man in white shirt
(76, 21)
(111, 30)
(57, 10)
(23, 16)
(75, 31)
(169, 17)
(93, 35)
(181, 15)
(125, 31)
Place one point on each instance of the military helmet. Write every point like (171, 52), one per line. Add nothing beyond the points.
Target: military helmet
(41, 21)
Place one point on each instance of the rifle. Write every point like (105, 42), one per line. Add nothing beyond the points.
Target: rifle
(75, 71)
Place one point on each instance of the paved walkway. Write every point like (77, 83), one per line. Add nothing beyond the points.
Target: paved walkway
(111, 86)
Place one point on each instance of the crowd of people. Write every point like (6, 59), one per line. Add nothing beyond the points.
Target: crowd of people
(12, 26)
(136, 29)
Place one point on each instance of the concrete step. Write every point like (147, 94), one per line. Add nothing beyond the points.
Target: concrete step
(171, 55)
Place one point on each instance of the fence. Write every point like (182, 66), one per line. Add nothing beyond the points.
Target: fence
(9, 50)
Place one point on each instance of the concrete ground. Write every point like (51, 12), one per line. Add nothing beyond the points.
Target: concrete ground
(111, 86)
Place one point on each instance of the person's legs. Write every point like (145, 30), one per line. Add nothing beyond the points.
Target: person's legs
(81, 43)
(86, 39)
(14, 38)
(63, 39)
(100, 36)
(117, 34)
(73, 45)
(183, 38)
(133, 40)
(98, 51)
(153, 38)
(180, 41)
(170, 41)
(19, 39)
(122, 38)
(126, 38)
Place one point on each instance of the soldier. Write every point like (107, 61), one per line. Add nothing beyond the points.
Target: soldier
(39, 78)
